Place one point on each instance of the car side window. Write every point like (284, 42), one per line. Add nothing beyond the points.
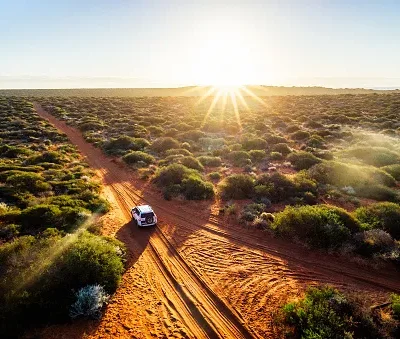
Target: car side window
(136, 211)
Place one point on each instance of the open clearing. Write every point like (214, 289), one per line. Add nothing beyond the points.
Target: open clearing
(195, 277)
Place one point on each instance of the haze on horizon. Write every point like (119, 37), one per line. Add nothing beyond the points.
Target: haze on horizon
(88, 43)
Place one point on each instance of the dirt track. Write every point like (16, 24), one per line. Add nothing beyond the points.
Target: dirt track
(195, 277)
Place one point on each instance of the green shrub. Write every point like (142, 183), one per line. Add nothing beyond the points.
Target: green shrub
(39, 217)
(125, 143)
(194, 188)
(340, 174)
(191, 162)
(210, 161)
(320, 226)
(316, 141)
(178, 179)
(239, 158)
(278, 187)
(326, 313)
(257, 155)
(7, 151)
(171, 175)
(161, 145)
(27, 181)
(378, 192)
(178, 151)
(252, 211)
(276, 156)
(46, 157)
(254, 144)
(375, 156)
(282, 148)
(384, 216)
(372, 242)
(39, 276)
(396, 304)
(303, 160)
(393, 170)
(237, 186)
(91, 126)
(136, 157)
(300, 135)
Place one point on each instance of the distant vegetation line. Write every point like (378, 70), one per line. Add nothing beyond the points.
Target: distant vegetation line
(184, 91)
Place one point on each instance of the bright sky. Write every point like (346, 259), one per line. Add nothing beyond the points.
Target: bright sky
(170, 43)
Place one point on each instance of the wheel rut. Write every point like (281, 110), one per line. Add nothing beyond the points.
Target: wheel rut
(213, 281)
(200, 309)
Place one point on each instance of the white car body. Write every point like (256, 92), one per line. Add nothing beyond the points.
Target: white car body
(144, 215)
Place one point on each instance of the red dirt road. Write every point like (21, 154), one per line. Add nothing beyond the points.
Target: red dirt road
(194, 276)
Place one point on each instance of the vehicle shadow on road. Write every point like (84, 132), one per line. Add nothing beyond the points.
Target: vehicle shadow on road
(136, 239)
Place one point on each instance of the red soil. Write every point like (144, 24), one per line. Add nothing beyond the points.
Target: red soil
(197, 276)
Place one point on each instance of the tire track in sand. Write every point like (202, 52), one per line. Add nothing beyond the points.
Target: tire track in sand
(200, 310)
(244, 270)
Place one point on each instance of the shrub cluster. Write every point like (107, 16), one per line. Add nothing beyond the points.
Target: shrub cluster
(320, 226)
(324, 312)
(178, 179)
(39, 276)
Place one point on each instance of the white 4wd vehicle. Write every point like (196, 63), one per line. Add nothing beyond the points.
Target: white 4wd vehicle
(144, 216)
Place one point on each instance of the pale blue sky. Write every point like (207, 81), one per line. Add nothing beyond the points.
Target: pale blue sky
(92, 43)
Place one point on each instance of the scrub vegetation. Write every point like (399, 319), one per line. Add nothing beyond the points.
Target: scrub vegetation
(48, 202)
(322, 171)
(333, 161)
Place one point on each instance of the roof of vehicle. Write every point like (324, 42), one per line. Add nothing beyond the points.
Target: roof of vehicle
(144, 208)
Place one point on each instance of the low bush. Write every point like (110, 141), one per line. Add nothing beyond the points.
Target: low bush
(210, 161)
(194, 188)
(254, 144)
(393, 170)
(239, 158)
(237, 186)
(89, 302)
(215, 176)
(375, 156)
(326, 313)
(303, 160)
(27, 181)
(395, 298)
(252, 211)
(373, 242)
(191, 162)
(320, 226)
(275, 156)
(316, 141)
(39, 276)
(137, 157)
(37, 218)
(178, 151)
(300, 135)
(177, 179)
(125, 143)
(384, 216)
(257, 155)
(45, 157)
(341, 174)
(378, 192)
(282, 148)
(278, 187)
(161, 145)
